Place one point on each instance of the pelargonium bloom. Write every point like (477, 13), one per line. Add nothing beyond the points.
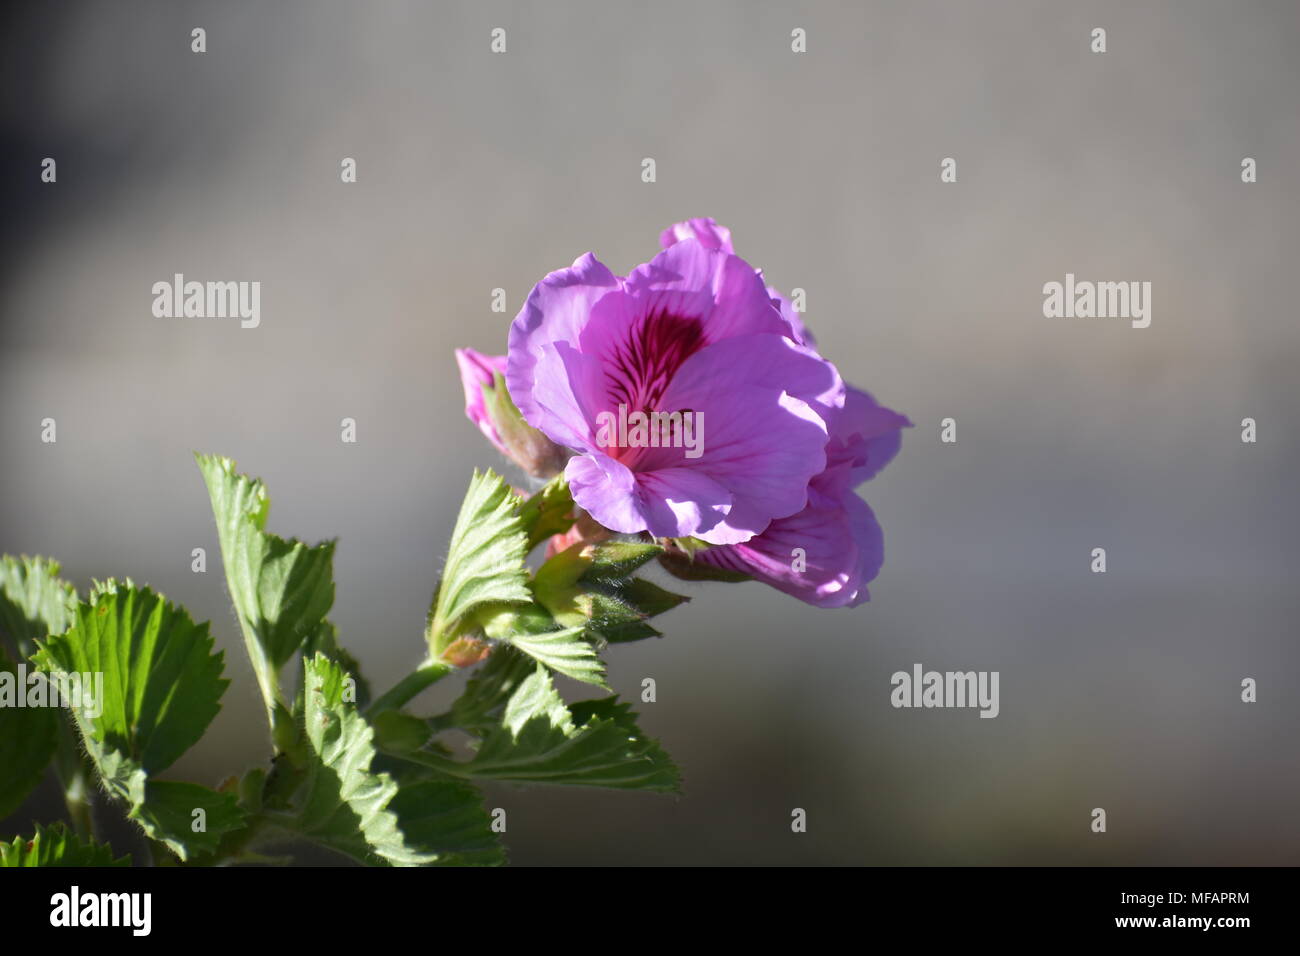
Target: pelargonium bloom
(826, 553)
(692, 332)
(694, 339)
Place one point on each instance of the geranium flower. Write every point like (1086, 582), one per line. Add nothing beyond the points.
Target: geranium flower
(693, 331)
(771, 443)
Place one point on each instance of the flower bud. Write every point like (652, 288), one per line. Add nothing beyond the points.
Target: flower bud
(489, 406)
(585, 530)
(466, 651)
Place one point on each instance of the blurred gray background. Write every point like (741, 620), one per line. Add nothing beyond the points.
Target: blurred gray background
(478, 170)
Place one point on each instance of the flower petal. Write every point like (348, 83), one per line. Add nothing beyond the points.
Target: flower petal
(798, 331)
(760, 437)
(557, 310)
(476, 371)
(840, 548)
(705, 229)
(607, 490)
(675, 502)
(865, 434)
(689, 280)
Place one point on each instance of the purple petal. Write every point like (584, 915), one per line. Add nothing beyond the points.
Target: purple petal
(842, 546)
(690, 281)
(708, 232)
(674, 502)
(713, 236)
(762, 440)
(798, 331)
(865, 434)
(607, 490)
(555, 311)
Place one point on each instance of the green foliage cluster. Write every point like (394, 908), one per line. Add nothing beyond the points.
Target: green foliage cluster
(362, 776)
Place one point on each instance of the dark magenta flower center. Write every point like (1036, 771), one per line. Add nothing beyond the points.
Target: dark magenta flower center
(645, 362)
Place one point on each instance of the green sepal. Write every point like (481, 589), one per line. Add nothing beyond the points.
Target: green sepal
(547, 512)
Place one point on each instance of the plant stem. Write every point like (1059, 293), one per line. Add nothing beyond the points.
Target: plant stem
(75, 780)
(426, 675)
(81, 805)
(268, 682)
(425, 759)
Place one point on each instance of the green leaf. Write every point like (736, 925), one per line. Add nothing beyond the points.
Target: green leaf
(282, 589)
(447, 816)
(28, 738)
(162, 683)
(487, 692)
(346, 805)
(565, 651)
(547, 512)
(398, 732)
(34, 601)
(485, 563)
(326, 641)
(169, 813)
(534, 631)
(161, 687)
(596, 744)
(57, 846)
(110, 586)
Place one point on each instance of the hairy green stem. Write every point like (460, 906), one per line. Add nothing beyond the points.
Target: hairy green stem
(268, 682)
(76, 780)
(424, 759)
(426, 675)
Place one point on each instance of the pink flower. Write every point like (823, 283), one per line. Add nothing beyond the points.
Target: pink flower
(693, 333)
(695, 404)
